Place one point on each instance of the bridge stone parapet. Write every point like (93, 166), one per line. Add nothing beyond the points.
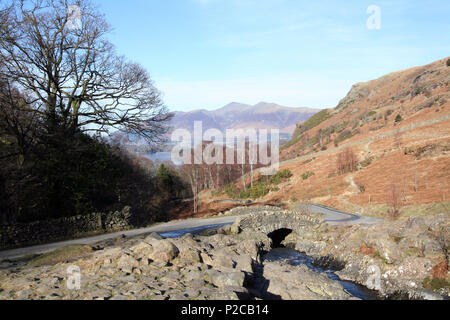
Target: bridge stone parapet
(269, 219)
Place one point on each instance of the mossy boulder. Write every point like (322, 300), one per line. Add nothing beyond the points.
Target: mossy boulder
(63, 254)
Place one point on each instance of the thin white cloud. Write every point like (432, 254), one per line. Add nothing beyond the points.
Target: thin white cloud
(260, 38)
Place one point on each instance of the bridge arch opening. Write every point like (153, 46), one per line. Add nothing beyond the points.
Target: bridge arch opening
(278, 236)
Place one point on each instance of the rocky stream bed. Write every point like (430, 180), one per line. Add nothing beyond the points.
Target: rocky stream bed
(403, 259)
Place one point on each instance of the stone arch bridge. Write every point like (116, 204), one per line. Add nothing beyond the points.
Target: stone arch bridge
(270, 219)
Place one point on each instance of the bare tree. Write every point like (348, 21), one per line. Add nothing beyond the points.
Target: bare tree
(17, 126)
(394, 201)
(193, 173)
(17, 134)
(197, 173)
(305, 138)
(346, 161)
(321, 138)
(71, 74)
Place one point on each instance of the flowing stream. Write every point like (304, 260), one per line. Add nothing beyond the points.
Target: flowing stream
(295, 258)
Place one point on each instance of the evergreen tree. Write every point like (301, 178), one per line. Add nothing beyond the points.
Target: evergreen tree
(163, 179)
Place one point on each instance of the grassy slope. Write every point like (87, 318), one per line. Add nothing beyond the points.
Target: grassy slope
(413, 154)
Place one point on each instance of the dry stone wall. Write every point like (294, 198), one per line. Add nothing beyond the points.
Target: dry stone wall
(64, 228)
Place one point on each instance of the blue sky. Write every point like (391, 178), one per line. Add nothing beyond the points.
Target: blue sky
(207, 53)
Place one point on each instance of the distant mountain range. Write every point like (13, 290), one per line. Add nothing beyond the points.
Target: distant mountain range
(243, 116)
(232, 116)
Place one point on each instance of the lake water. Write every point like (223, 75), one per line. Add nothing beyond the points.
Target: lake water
(159, 156)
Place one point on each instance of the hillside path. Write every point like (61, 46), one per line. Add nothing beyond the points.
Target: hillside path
(367, 140)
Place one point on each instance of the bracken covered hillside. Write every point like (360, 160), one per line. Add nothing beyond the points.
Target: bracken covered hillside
(387, 141)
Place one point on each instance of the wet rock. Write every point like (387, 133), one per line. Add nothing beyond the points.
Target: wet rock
(300, 283)
(311, 248)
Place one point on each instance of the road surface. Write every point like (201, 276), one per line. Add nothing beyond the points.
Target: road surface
(331, 216)
(161, 228)
(336, 217)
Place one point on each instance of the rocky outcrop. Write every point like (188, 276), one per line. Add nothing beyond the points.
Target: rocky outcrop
(217, 267)
(407, 257)
(190, 267)
(300, 283)
(163, 252)
(393, 257)
(358, 91)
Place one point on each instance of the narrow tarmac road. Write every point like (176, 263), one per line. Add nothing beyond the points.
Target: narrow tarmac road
(336, 217)
(161, 228)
